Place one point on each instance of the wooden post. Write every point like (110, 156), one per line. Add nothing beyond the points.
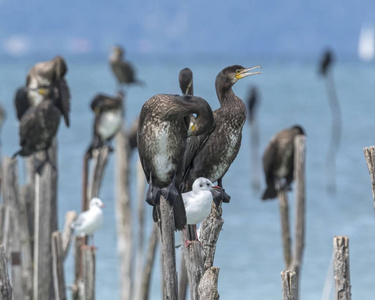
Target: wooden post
(168, 249)
(289, 285)
(2, 218)
(100, 158)
(195, 267)
(123, 215)
(285, 229)
(89, 273)
(299, 177)
(208, 285)
(45, 224)
(183, 276)
(17, 221)
(67, 235)
(341, 268)
(209, 234)
(370, 160)
(5, 287)
(58, 266)
(144, 287)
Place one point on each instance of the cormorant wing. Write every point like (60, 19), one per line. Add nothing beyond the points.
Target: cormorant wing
(27, 126)
(63, 102)
(21, 102)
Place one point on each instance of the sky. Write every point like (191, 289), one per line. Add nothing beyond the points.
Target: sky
(270, 28)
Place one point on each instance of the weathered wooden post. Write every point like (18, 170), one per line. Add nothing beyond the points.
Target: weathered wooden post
(168, 249)
(45, 223)
(341, 268)
(285, 228)
(17, 236)
(370, 160)
(289, 285)
(299, 177)
(58, 266)
(144, 288)
(208, 285)
(5, 287)
(89, 273)
(123, 214)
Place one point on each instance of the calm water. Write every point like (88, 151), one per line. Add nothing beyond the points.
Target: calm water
(249, 249)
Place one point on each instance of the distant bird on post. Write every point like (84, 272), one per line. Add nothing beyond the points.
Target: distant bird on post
(122, 69)
(162, 133)
(252, 103)
(325, 70)
(211, 154)
(108, 119)
(278, 161)
(40, 78)
(39, 125)
(89, 221)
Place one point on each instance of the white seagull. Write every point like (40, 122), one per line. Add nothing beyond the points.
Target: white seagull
(90, 220)
(198, 203)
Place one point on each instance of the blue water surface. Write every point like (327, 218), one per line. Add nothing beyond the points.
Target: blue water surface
(249, 251)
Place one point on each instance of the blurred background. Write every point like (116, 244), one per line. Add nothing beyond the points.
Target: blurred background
(160, 38)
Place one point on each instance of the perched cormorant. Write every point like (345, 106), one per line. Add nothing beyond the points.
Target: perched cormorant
(40, 78)
(108, 119)
(162, 134)
(89, 221)
(39, 125)
(326, 62)
(278, 161)
(122, 69)
(211, 154)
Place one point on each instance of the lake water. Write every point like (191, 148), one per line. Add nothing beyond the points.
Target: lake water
(249, 251)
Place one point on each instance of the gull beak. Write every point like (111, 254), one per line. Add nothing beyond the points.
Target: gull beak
(242, 73)
(102, 205)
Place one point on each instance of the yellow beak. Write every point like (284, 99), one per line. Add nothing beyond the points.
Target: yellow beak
(247, 72)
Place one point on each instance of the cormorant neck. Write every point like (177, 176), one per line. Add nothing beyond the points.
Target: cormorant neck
(225, 94)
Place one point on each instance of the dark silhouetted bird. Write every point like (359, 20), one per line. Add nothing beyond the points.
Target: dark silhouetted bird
(162, 134)
(39, 125)
(326, 62)
(122, 69)
(211, 154)
(278, 161)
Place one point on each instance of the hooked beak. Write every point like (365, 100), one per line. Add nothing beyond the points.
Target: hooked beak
(247, 72)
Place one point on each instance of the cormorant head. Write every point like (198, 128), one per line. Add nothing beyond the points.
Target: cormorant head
(299, 129)
(60, 67)
(186, 81)
(118, 52)
(202, 184)
(230, 75)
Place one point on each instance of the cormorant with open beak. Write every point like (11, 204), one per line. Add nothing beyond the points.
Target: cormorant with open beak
(162, 134)
(278, 161)
(211, 154)
(108, 119)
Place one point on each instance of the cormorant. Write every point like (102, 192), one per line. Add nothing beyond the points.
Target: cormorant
(122, 69)
(326, 62)
(252, 103)
(108, 119)
(162, 134)
(278, 161)
(40, 78)
(211, 154)
(39, 125)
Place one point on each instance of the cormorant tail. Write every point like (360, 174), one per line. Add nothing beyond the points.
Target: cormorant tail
(269, 193)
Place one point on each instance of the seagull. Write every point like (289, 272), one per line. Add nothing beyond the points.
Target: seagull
(89, 221)
(198, 203)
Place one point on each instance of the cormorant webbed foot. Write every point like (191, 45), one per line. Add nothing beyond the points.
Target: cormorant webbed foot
(219, 195)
